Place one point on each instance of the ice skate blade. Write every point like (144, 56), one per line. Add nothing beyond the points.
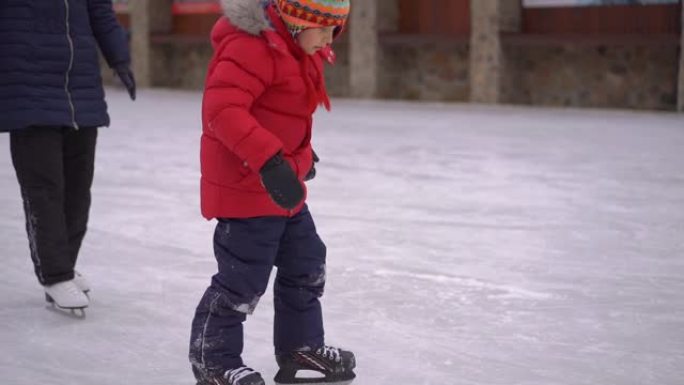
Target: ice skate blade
(318, 382)
(74, 312)
(79, 314)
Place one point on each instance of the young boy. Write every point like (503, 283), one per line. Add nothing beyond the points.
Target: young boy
(264, 83)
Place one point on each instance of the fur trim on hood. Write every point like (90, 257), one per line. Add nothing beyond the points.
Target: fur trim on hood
(247, 15)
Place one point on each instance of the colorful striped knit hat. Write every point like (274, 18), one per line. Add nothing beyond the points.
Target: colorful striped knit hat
(299, 15)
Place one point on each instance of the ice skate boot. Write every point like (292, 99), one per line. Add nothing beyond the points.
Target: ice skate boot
(239, 376)
(67, 296)
(81, 282)
(328, 365)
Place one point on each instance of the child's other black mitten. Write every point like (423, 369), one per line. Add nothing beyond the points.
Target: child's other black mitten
(312, 173)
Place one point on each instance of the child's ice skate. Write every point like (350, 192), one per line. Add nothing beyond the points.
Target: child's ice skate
(239, 376)
(67, 296)
(332, 366)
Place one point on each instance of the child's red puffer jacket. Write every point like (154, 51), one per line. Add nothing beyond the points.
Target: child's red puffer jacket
(260, 95)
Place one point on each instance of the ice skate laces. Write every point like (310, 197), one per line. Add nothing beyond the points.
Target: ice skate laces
(235, 375)
(330, 352)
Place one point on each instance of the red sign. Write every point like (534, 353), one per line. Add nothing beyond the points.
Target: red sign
(196, 7)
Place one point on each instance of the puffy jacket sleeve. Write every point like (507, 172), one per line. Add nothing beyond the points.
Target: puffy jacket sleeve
(241, 73)
(110, 36)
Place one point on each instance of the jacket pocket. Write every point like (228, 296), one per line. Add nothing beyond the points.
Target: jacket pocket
(220, 165)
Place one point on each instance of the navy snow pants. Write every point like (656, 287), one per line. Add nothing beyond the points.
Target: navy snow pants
(246, 251)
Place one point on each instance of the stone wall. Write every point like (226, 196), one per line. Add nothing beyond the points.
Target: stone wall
(424, 71)
(643, 77)
(180, 64)
(616, 76)
(183, 64)
(577, 75)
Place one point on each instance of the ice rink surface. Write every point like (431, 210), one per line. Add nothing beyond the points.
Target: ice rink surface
(467, 245)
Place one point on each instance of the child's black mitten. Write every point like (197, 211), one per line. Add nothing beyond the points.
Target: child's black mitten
(312, 173)
(281, 183)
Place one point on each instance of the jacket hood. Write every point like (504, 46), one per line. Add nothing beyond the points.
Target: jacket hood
(247, 15)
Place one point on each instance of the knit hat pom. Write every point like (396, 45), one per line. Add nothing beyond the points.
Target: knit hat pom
(299, 15)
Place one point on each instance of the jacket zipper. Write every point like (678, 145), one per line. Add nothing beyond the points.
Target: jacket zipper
(71, 66)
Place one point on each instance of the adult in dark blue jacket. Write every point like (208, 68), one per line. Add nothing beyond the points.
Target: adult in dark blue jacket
(52, 103)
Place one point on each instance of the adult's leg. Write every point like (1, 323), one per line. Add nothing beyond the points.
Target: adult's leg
(37, 159)
(79, 161)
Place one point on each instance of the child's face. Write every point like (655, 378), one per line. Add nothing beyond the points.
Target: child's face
(313, 39)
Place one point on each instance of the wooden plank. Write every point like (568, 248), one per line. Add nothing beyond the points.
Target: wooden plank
(449, 17)
(434, 17)
(409, 16)
(592, 40)
(199, 7)
(631, 19)
(194, 24)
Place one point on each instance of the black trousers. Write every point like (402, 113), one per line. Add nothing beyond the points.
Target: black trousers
(54, 167)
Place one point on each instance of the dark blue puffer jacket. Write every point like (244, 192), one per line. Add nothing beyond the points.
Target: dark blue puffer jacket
(49, 64)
